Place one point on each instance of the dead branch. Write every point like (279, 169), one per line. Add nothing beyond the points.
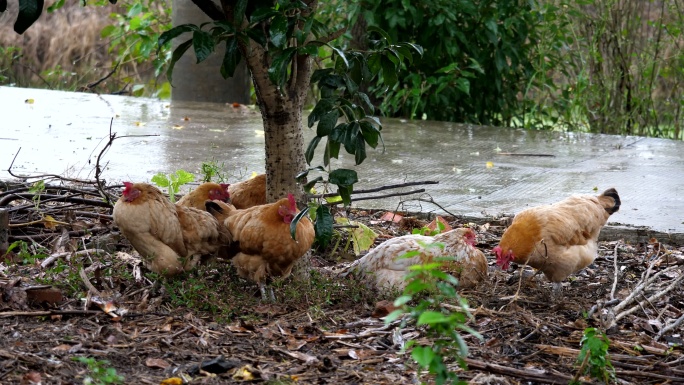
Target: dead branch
(615, 271)
(52, 258)
(671, 326)
(398, 194)
(372, 190)
(543, 376)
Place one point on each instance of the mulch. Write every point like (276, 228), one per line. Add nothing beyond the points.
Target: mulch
(85, 295)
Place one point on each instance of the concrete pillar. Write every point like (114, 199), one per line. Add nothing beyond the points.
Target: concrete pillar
(203, 82)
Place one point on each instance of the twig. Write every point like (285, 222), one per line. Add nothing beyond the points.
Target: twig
(372, 190)
(24, 177)
(398, 194)
(86, 281)
(654, 297)
(97, 82)
(669, 327)
(580, 371)
(51, 259)
(615, 271)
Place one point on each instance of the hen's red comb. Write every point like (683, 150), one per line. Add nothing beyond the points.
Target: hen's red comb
(293, 203)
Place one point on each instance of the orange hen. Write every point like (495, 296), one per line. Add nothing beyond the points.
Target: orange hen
(387, 267)
(265, 248)
(207, 191)
(170, 238)
(558, 239)
(248, 193)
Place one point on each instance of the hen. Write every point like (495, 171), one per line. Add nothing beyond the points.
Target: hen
(248, 193)
(265, 247)
(558, 239)
(208, 191)
(388, 269)
(170, 238)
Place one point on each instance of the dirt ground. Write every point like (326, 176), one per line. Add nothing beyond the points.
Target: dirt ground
(67, 315)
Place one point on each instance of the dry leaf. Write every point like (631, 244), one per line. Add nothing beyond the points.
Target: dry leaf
(172, 381)
(49, 222)
(156, 363)
(29, 101)
(177, 127)
(490, 164)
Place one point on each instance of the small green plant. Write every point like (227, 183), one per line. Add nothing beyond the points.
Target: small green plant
(27, 256)
(427, 289)
(172, 182)
(100, 372)
(210, 170)
(37, 190)
(427, 231)
(593, 358)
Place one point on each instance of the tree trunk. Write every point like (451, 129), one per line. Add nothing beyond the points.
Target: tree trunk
(281, 111)
(203, 82)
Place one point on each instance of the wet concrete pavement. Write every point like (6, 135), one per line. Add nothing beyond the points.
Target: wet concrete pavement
(483, 171)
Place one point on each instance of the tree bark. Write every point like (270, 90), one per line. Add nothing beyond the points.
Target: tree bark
(281, 112)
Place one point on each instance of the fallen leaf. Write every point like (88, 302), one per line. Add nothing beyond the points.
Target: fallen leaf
(157, 363)
(140, 124)
(49, 222)
(177, 127)
(391, 217)
(29, 101)
(31, 378)
(245, 373)
(383, 308)
(236, 105)
(62, 348)
(490, 164)
(172, 381)
(186, 118)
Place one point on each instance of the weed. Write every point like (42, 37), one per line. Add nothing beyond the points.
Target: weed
(37, 190)
(593, 358)
(27, 256)
(100, 372)
(173, 182)
(212, 169)
(428, 287)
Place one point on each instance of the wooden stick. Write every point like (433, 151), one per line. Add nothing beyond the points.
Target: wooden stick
(543, 376)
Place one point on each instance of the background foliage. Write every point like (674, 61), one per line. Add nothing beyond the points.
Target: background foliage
(604, 66)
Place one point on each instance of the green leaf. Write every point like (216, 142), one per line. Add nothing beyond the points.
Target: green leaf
(184, 177)
(327, 123)
(423, 355)
(332, 150)
(177, 54)
(278, 71)
(55, 6)
(370, 134)
(309, 185)
(362, 235)
(343, 177)
(381, 32)
(323, 107)
(323, 225)
(29, 12)
(108, 30)
(231, 59)
(173, 33)
(135, 9)
(311, 148)
(366, 100)
(431, 317)
(342, 56)
(345, 194)
(239, 11)
(402, 300)
(393, 316)
(203, 44)
(278, 31)
(295, 220)
(389, 72)
(360, 151)
(161, 180)
(262, 13)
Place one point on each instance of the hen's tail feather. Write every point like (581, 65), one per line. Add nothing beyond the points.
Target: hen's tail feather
(612, 193)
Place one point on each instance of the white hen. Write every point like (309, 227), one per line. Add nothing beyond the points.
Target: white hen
(384, 264)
